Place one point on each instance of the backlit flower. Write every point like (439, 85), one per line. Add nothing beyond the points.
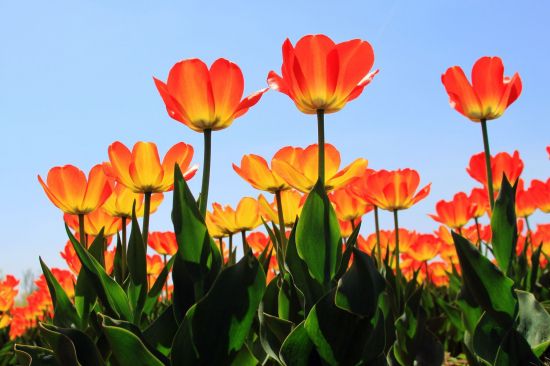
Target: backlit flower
(489, 94)
(254, 170)
(480, 200)
(425, 248)
(121, 201)
(541, 194)
(203, 98)
(163, 242)
(319, 74)
(298, 167)
(68, 188)
(95, 221)
(394, 190)
(292, 202)
(245, 218)
(525, 202)
(347, 206)
(455, 213)
(501, 164)
(141, 170)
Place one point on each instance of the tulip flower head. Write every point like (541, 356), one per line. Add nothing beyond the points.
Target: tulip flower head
(203, 98)
(69, 190)
(501, 164)
(541, 194)
(95, 221)
(526, 203)
(489, 94)
(141, 171)
(254, 170)
(480, 200)
(121, 201)
(298, 167)
(292, 202)
(245, 218)
(163, 242)
(347, 206)
(318, 74)
(455, 213)
(395, 190)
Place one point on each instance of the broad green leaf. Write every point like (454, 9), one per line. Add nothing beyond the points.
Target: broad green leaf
(65, 314)
(63, 348)
(128, 349)
(34, 356)
(533, 322)
(360, 286)
(350, 244)
(318, 238)
(245, 358)
(289, 301)
(215, 328)
(160, 333)
(338, 335)
(491, 289)
(273, 332)
(298, 349)
(137, 267)
(158, 286)
(504, 225)
(85, 349)
(110, 293)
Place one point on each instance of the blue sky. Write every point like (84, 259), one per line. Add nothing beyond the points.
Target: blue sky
(77, 75)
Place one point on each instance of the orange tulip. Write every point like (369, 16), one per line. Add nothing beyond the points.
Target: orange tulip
(387, 241)
(246, 217)
(163, 242)
(394, 190)
(214, 230)
(95, 221)
(480, 200)
(501, 164)
(292, 202)
(425, 248)
(69, 255)
(8, 292)
(121, 201)
(154, 267)
(347, 206)
(318, 74)
(206, 99)
(258, 241)
(68, 189)
(346, 229)
(471, 233)
(65, 278)
(541, 194)
(526, 203)
(489, 94)
(141, 170)
(254, 170)
(455, 213)
(438, 273)
(298, 167)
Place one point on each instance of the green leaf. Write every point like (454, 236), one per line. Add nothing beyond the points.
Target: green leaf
(161, 331)
(311, 290)
(127, 348)
(491, 289)
(273, 332)
(117, 267)
(63, 339)
(350, 244)
(137, 267)
(318, 236)
(215, 328)
(533, 322)
(338, 335)
(65, 314)
(298, 349)
(245, 358)
(34, 356)
(109, 292)
(156, 289)
(359, 288)
(504, 225)
(63, 348)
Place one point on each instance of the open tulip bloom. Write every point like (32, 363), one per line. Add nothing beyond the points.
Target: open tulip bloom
(487, 97)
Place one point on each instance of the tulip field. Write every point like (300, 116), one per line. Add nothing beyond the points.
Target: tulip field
(302, 273)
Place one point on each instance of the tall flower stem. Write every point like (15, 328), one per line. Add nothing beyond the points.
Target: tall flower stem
(246, 247)
(81, 233)
(321, 141)
(488, 163)
(166, 282)
(146, 213)
(529, 234)
(230, 260)
(123, 259)
(280, 213)
(396, 255)
(206, 171)
(220, 244)
(377, 227)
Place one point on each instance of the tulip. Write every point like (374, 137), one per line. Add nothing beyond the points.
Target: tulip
(70, 257)
(8, 292)
(141, 170)
(321, 77)
(486, 98)
(526, 203)
(455, 213)
(206, 100)
(96, 221)
(347, 206)
(541, 194)
(163, 243)
(68, 189)
(480, 201)
(258, 241)
(501, 164)
(291, 203)
(254, 170)
(121, 202)
(298, 167)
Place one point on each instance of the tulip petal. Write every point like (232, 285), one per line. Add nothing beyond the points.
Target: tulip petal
(172, 106)
(356, 58)
(488, 84)
(227, 88)
(462, 95)
(98, 189)
(120, 158)
(181, 154)
(68, 185)
(58, 203)
(145, 168)
(292, 176)
(350, 172)
(248, 102)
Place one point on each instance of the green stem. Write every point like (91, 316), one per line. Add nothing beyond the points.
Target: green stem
(321, 142)
(206, 171)
(397, 268)
(123, 259)
(488, 163)
(220, 244)
(146, 213)
(166, 282)
(230, 260)
(377, 227)
(246, 247)
(282, 234)
(529, 234)
(352, 221)
(81, 233)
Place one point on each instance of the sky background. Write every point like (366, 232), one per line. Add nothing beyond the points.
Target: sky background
(77, 75)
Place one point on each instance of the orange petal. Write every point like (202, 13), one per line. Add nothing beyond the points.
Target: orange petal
(145, 168)
(462, 95)
(172, 106)
(247, 214)
(98, 189)
(248, 102)
(181, 154)
(227, 88)
(120, 158)
(292, 176)
(59, 204)
(350, 172)
(68, 185)
(488, 83)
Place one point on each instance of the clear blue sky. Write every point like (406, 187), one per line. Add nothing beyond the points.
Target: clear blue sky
(77, 75)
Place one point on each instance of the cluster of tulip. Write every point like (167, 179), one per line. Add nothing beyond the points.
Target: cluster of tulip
(320, 77)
